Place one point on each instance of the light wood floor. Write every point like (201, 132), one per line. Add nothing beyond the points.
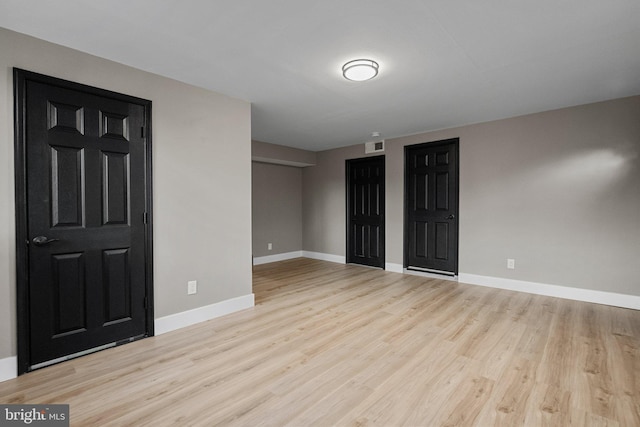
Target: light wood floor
(330, 344)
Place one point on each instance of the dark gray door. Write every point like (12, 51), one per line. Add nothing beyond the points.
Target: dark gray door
(365, 211)
(431, 206)
(85, 234)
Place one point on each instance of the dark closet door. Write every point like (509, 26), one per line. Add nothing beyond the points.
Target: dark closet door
(431, 206)
(365, 211)
(86, 228)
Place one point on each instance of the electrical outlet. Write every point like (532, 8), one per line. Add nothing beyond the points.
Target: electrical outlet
(192, 287)
(511, 263)
(269, 246)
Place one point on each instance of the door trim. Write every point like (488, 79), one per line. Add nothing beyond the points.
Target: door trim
(405, 245)
(20, 79)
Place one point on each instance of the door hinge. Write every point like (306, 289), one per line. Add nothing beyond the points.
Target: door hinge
(142, 132)
(145, 217)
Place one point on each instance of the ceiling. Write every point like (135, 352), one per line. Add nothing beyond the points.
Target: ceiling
(443, 63)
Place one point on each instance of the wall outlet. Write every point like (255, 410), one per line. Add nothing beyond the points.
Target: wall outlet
(511, 263)
(192, 287)
(269, 246)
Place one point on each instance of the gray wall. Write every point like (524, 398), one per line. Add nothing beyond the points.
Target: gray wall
(201, 172)
(557, 191)
(280, 154)
(276, 208)
(324, 201)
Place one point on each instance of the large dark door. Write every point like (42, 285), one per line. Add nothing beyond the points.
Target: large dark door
(83, 181)
(431, 206)
(365, 211)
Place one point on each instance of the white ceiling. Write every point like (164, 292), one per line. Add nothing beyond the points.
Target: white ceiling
(443, 63)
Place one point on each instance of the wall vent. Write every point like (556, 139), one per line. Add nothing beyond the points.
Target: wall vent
(374, 147)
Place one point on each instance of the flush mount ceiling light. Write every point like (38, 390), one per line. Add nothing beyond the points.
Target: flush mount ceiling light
(360, 70)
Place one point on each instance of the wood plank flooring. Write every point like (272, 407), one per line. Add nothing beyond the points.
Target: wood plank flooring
(341, 345)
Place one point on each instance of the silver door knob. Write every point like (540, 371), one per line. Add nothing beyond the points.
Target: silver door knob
(42, 240)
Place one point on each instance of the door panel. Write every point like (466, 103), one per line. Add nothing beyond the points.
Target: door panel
(86, 181)
(117, 285)
(365, 211)
(431, 206)
(115, 190)
(67, 201)
(69, 290)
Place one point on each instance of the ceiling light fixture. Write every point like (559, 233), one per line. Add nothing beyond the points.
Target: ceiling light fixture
(360, 70)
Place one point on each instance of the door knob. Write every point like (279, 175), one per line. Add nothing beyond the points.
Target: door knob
(452, 216)
(42, 240)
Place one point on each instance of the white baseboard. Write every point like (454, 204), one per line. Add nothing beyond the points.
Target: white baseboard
(276, 257)
(325, 257)
(577, 294)
(394, 268)
(187, 318)
(8, 368)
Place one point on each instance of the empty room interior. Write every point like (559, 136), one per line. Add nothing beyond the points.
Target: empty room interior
(417, 213)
